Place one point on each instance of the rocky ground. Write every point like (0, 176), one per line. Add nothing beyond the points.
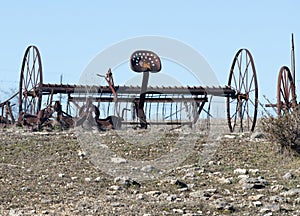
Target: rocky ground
(50, 173)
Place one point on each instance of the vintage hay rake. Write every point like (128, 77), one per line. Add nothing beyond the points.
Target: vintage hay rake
(134, 105)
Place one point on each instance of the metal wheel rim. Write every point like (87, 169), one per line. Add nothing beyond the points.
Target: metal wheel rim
(286, 95)
(242, 108)
(31, 80)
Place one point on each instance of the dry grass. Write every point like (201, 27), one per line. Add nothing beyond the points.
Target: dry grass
(284, 130)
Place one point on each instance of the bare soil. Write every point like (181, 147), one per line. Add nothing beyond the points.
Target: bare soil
(47, 173)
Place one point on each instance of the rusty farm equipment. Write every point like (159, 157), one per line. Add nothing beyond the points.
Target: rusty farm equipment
(7, 116)
(111, 105)
(286, 88)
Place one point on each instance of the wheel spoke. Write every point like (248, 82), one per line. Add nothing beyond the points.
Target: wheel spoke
(235, 82)
(33, 69)
(240, 73)
(31, 78)
(246, 84)
(286, 91)
(245, 76)
(252, 102)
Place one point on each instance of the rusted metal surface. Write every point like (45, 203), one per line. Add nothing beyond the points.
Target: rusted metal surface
(136, 100)
(286, 94)
(225, 91)
(133, 105)
(65, 120)
(31, 81)
(36, 122)
(286, 88)
(242, 108)
(145, 62)
(6, 115)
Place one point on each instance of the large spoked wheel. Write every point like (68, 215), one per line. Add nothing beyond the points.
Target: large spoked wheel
(286, 95)
(31, 80)
(242, 107)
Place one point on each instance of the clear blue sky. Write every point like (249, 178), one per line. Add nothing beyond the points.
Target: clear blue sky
(70, 33)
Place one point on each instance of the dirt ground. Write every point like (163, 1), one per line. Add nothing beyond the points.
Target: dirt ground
(50, 173)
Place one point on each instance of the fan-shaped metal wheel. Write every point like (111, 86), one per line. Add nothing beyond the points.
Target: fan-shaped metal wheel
(31, 81)
(286, 95)
(242, 107)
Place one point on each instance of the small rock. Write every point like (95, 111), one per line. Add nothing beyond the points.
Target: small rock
(98, 179)
(217, 173)
(184, 189)
(254, 171)
(148, 168)
(121, 179)
(247, 186)
(243, 176)
(163, 196)
(286, 208)
(118, 160)
(278, 199)
(190, 214)
(69, 185)
(81, 154)
(257, 135)
(270, 208)
(227, 192)
(255, 197)
(202, 194)
(257, 203)
(240, 171)
(221, 204)
(178, 211)
(179, 183)
(126, 181)
(153, 193)
(211, 163)
(115, 187)
(25, 189)
(228, 136)
(200, 170)
(46, 201)
(288, 176)
(291, 192)
(255, 183)
(189, 175)
(224, 180)
(140, 196)
(276, 188)
(117, 204)
(211, 190)
(172, 197)
(87, 179)
(61, 175)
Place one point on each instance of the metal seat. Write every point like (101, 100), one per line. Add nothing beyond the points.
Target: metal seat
(145, 61)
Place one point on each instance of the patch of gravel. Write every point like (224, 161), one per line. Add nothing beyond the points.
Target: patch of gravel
(49, 173)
